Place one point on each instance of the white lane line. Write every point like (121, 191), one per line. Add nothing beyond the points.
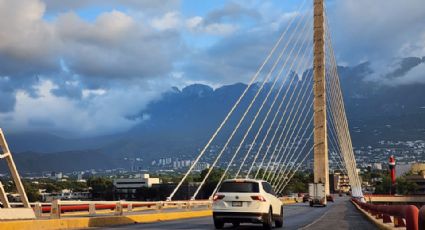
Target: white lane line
(317, 220)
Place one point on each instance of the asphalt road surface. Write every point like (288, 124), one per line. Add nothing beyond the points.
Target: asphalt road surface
(339, 215)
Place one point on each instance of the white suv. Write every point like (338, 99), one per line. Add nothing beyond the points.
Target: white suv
(247, 201)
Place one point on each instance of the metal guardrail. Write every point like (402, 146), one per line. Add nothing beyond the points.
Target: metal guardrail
(422, 218)
(400, 215)
(60, 208)
(385, 198)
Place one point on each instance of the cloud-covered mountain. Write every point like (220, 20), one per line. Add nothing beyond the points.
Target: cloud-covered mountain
(182, 121)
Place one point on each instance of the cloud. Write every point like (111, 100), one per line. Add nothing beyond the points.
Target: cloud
(27, 42)
(366, 30)
(237, 57)
(218, 22)
(146, 6)
(114, 45)
(198, 25)
(170, 20)
(414, 75)
(98, 112)
(232, 11)
(104, 60)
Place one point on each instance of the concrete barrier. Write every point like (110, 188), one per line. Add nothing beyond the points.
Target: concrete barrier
(16, 214)
(380, 224)
(399, 215)
(87, 222)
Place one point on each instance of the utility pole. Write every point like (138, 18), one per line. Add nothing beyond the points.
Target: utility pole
(321, 161)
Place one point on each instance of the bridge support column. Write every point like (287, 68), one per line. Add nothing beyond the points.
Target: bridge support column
(321, 164)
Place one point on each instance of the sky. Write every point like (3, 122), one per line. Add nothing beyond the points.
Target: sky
(85, 68)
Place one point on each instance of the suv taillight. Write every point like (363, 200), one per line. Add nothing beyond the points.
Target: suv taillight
(218, 197)
(259, 198)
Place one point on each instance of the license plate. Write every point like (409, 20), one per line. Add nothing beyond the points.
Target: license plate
(237, 203)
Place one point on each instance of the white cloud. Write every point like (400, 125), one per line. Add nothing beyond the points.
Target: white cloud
(112, 45)
(170, 20)
(99, 112)
(107, 68)
(379, 29)
(220, 29)
(414, 76)
(86, 93)
(194, 22)
(197, 25)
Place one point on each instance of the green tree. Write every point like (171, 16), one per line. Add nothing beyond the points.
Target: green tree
(405, 187)
(101, 188)
(384, 186)
(31, 191)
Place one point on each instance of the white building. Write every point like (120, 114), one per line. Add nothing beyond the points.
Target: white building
(126, 188)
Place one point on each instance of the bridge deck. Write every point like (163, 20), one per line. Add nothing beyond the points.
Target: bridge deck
(339, 215)
(343, 215)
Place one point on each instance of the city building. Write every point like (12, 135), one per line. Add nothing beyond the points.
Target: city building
(65, 194)
(377, 166)
(126, 188)
(341, 182)
(418, 177)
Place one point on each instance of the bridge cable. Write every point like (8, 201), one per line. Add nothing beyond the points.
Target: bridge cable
(253, 79)
(284, 166)
(243, 117)
(350, 159)
(234, 155)
(281, 165)
(264, 120)
(281, 186)
(283, 129)
(301, 94)
(271, 124)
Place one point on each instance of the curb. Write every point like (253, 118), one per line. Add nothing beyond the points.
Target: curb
(87, 222)
(372, 219)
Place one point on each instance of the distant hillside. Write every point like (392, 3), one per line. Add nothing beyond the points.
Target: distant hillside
(183, 120)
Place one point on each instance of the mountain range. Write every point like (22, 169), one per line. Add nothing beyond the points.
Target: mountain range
(181, 122)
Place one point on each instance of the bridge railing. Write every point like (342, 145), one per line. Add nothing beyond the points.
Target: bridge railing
(422, 218)
(63, 208)
(67, 208)
(400, 215)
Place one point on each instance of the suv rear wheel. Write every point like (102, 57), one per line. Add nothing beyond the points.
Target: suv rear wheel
(268, 222)
(218, 224)
(279, 221)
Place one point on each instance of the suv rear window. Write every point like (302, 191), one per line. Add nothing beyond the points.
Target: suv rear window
(239, 187)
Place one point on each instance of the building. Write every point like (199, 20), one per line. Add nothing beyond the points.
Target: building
(64, 194)
(402, 168)
(377, 166)
(417, 168)
(418, 177)
(56, 176)
(341, 182)
(126, 188)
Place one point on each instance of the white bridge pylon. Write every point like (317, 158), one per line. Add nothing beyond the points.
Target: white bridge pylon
(272, 139)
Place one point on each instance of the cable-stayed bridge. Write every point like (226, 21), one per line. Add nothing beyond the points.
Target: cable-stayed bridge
(290, 113)
(296, 112)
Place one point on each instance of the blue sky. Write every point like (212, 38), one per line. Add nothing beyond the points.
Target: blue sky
(80, 57)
